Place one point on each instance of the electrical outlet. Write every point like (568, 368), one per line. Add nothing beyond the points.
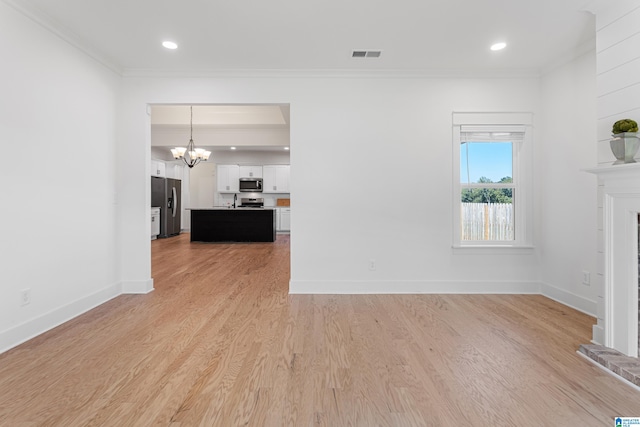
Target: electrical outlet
(372, 264)
(586, 278)
(25, 297)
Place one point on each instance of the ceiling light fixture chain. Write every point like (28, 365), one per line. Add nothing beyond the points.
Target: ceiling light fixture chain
(191, 155)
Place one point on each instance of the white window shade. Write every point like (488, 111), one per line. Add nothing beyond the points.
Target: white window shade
(491, 134)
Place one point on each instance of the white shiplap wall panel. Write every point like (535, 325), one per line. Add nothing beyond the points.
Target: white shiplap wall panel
(601, 200)
(623, 28)
(610, 11)
(618, 67)
(600, 218)
(619, 78)
(604, 128)
(616, 103)
(619, 54)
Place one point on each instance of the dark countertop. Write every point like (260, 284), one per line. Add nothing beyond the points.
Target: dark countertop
(224, 208)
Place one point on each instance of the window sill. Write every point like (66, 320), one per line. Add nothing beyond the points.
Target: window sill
(494, 249)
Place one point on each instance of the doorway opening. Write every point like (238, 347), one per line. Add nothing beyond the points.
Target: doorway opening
(252, 138)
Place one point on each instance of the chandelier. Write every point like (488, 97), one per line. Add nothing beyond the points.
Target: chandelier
(191, 155)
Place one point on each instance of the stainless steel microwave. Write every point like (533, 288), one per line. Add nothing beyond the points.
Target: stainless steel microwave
(251, 185)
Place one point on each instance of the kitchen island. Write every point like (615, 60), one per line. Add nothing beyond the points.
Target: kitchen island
(233, 225)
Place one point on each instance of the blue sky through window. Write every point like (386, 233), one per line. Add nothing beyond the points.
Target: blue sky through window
(490, 159)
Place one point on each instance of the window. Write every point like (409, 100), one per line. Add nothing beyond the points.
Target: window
(491, 181)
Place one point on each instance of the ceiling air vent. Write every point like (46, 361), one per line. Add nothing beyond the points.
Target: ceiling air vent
(366, 54)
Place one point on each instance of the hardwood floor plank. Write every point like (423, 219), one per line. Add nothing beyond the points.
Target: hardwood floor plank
(221, 343)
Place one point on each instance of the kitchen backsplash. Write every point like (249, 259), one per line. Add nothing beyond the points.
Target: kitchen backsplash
(226, 199)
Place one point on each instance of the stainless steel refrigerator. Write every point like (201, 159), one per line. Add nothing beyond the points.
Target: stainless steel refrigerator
(166, 194)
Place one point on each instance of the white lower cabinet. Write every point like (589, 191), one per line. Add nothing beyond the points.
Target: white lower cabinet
(155, 222)
(283, 219)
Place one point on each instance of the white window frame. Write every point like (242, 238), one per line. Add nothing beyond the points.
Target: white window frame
(522, 175)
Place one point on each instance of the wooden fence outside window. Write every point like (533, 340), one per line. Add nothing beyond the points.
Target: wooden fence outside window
(487, 221)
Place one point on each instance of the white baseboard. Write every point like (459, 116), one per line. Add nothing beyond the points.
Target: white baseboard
(442, 287)
(30, 329)
(137, 286)
(411, 287)
(598, 334)
(569, 299)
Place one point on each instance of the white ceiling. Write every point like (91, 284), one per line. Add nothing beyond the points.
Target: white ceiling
(415, 36)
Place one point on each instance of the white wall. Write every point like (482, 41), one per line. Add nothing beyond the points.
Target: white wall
(58, 120)
(567, 195)
(252, 157)
(390, 140)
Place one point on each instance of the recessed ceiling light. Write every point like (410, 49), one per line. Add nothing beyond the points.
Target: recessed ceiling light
(232, 148)
(286, 148)
(498, 46)
(169, 45)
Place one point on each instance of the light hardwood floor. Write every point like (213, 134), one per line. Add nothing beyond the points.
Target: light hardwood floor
(221, 343)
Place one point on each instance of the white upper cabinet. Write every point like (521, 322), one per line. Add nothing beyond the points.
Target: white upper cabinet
(177, 171)
(250, 171)
(158, 168)
(228, 178)
(174, 171)
(276, 178)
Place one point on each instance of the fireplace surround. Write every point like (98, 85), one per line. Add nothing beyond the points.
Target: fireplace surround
(619, 201)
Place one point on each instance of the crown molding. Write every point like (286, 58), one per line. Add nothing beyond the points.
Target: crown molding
(45, 21)
(335, 73)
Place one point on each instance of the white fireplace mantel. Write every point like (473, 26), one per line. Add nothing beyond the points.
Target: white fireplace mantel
(620, 202)
(616, 172)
